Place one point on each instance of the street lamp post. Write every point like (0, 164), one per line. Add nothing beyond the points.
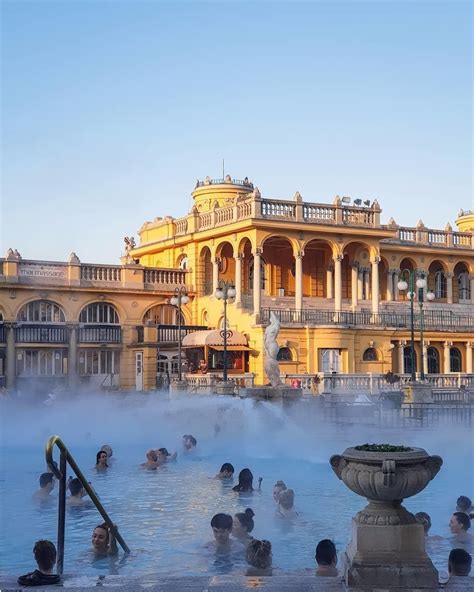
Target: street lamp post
(420, 284)
(180, 297)
(225, 292)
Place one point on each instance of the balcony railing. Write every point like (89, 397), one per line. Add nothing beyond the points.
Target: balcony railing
(226, 181)
(169, 333)
(434, 320)
(100, 334)
(41, 334)
(432, 237)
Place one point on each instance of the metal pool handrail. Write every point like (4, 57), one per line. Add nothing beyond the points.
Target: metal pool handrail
(60, 474)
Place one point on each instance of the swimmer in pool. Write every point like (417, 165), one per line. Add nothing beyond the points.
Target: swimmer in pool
(77, 492)
(277, 489)
(243, 525)
(163, 456)
(226, 472)
(103, 542)
(221, 525)
(189, 442)
(326, 558)
(101, 461)
(108, 449)
(151, 463)
(46, 482)
(259, 558)
(459, 524)
(245, 483)
(286, 502)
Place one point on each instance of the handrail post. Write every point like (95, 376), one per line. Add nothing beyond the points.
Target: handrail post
(61, 512)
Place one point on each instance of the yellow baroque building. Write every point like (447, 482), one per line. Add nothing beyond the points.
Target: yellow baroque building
(330, 273)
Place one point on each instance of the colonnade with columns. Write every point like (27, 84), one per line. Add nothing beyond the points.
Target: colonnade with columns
(445, 360)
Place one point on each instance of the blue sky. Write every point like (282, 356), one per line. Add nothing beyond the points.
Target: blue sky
(112, 110)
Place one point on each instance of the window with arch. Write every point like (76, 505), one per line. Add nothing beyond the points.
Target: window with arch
(41, 311)
(370, 355)
(455, 360)
(163, 314)
(100, 313)
(464, 286)
(284, 355)
(441, 289)
(433, 360)
(183, 262)
(407, 362)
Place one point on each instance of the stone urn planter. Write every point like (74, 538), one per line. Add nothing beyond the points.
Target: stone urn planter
(388, 545)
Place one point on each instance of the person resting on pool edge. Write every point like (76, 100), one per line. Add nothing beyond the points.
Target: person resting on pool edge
(45, 556)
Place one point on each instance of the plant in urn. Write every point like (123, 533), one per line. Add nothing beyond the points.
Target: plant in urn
(388, 545)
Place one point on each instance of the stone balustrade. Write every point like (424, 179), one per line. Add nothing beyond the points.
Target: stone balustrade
(432, 237)
(75, 273)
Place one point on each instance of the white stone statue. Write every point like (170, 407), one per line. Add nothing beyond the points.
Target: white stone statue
(271, 367)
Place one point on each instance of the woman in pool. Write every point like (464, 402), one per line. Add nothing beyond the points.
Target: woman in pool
(243, 525)
(259, 558)
(101, 461)
(277, 489)
(245, 483)
(103, 542)
(286, 502)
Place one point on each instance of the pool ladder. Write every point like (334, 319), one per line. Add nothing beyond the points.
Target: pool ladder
(60, 474)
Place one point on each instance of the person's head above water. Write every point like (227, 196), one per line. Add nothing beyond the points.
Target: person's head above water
(243, 523)
(189, 442)
(101, 458)
(151, 455)
(108, 449)
(221, 525)
(277, 489)
(162, 454)
(259, 554)
(463, 504)
(75, 487)
(46, 481)
(286, 499)
(45, 555)
(424, 519)
(326, 553)
(459, 562)
(100, 538)
(245, 481)
(459, 522)
(227, 471)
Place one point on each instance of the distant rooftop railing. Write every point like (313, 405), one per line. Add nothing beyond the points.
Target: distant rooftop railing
(432, 237)
(225, 181)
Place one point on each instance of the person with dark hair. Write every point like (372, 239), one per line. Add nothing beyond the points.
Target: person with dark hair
(221, 525)
(245, 483)
(77, 493)
(107, 448)
(326, 558)
(459, 563)
(46, 482)
(459, 524)
(163, 456)
(424, 519)
(189, 442)
(45, 556)
(464, 504)
(277, 489)
(101, 460)
(103, 541)
(259, 558)
(243, 525)
(225, 472)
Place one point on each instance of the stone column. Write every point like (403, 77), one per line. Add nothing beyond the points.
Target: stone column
(72, 377)
(215, 275)
(425, 345)
(469, 345)
(360, 284)
(375, 285)
(10, 370)
(257, 281)
(354, 284)
(390, 285)
(338, 282)
(329, 292)
(299, 280)
(472, 288)
(449, 287)
(396, 292)
(366, 284)
(238, 280)
(447, 358)
(401, 357)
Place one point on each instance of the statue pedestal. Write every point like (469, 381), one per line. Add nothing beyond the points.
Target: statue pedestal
(418, 392)
(388, 557)
(225, 388)
(271, 392)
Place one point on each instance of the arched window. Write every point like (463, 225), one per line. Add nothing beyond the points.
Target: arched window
(455, 360)
(284, 355)
(370, 355)
(163, 314)
(100, 313)
(183, 262)
(407, 363)
(433, 360)
(464, 286)
(41, 311)
(440, 284)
